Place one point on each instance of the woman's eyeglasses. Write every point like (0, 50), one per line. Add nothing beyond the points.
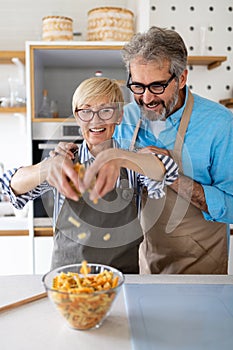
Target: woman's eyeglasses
(155, 87)
(87, 114)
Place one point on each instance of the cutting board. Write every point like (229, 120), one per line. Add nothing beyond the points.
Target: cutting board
(180, 316)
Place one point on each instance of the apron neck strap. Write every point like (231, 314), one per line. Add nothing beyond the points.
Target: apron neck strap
(185, 118)
(135, 134)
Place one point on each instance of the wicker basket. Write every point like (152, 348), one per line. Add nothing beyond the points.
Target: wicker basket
(110, 24)
(57, 28)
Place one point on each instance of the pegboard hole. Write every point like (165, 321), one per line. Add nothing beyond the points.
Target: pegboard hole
(192, 8)
(209, 87)
(153, 8)
(228, 87)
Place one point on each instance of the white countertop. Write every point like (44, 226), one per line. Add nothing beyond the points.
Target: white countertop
(38, 326)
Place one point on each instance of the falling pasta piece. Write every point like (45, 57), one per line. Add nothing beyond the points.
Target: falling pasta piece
(82, 235)
(107, 237)
(74, 221)
(95, 200)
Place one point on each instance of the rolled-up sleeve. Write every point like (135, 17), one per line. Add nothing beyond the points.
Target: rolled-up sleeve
(155, 189)
(19, 201)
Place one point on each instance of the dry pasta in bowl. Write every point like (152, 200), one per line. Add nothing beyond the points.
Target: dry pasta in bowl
(83, 293)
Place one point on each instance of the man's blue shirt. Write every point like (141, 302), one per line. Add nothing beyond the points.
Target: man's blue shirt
(207, 155)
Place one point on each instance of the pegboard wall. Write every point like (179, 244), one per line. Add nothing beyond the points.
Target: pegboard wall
(207, 29)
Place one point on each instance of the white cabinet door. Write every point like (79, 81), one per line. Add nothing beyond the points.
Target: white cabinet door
(43, 247)
(15, 255)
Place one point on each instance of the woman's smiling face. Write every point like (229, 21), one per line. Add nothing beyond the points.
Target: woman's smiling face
(97, 131)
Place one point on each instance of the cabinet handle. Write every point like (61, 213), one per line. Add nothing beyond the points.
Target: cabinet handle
(47, 145)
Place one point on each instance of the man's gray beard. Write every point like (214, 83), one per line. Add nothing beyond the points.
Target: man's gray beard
(151, 115)
(155, 116)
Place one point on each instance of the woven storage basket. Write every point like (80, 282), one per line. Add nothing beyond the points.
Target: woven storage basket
(110, 24)
(57, 28)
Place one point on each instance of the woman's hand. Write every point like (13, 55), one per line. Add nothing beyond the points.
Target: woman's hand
(106, 168)
(59, 172)
(65, 149)
(104, 173)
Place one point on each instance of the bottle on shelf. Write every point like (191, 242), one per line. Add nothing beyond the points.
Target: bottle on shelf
(44, 111)
(54, 109)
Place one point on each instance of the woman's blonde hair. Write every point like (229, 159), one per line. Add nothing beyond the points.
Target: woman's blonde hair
(93, 89)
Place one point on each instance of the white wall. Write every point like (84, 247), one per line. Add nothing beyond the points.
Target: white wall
(22, 19)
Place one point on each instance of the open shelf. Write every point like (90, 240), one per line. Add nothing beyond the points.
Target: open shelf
(53, 120)
(227, 102)
(210, 61)
(6, 56)
(13, 110)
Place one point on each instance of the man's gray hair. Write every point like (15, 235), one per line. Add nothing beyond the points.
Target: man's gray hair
(157, 44)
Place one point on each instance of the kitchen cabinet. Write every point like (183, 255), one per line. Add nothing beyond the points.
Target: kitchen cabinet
(6, 58)
(15, 255)
(59, 68)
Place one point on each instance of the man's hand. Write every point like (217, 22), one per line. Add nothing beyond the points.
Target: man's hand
(154, 149)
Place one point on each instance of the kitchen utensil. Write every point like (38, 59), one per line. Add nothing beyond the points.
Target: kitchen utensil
(23, 302)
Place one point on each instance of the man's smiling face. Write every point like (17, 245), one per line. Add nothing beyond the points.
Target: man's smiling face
(156, 106)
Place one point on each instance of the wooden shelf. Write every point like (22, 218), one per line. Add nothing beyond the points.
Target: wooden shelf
(12, 109)
(6, 56)
(14, 233)
(43, 231)
(52, 120)
(210, 61)
(227, 102)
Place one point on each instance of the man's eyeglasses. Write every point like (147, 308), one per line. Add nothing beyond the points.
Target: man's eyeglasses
(87, 114)
(154, 88)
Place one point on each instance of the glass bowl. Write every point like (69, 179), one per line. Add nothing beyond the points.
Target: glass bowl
(81, 308)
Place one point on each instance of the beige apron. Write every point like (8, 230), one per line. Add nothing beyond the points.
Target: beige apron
(177, 238)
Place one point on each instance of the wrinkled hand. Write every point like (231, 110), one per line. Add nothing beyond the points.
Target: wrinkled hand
(106, 171)
(59, 172)
(65, 149)
(154, 149)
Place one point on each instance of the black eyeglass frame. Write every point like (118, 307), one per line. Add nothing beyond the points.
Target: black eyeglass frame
(77, 110)
(162, 85)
